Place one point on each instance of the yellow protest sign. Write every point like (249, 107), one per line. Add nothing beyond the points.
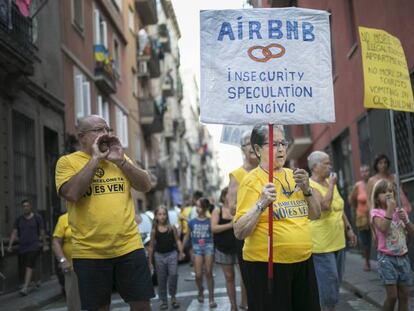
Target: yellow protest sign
(386, 78)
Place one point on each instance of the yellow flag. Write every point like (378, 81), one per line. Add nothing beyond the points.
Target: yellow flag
(386, 78)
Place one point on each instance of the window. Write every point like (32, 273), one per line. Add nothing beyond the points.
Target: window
(77, 13)
(138, 149)
(122, 127)
(101, 30)
(117, 5)
(131, 22)
(82, 95)
(134, 82)
(351, 23)
(103, 109)
(117, 56)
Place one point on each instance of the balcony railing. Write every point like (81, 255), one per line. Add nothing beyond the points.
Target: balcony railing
(16, 41)
(105, 77)
(147, 10)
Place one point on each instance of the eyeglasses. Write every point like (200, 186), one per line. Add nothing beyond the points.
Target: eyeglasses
(99, 130)
(277, 144)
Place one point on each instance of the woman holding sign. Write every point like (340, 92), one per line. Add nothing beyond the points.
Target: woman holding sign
(293, 202)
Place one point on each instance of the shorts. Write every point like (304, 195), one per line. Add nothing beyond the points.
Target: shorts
(203, 250)
(294, 287)
(394, 269)
(29, 259)
(365, 239)
(329, 269)
(225, 259)
(129, 274)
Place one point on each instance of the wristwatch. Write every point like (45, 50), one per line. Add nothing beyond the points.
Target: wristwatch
(260, 207)
(62, 260)
(308, 193)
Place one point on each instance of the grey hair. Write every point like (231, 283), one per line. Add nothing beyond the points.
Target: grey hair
(315, 158)
(245, 138)
(259, 134)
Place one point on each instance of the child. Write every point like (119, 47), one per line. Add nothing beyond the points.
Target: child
(203, 248)
(163, 244)
(390, 226)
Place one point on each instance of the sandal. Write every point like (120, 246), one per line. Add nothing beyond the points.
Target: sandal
(200, 298)
(164, 306)
(23, 292)
(212, 305)
(242, 308)
(175, 304)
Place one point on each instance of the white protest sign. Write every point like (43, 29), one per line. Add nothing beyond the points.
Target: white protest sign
(232, 134)
(266, 66)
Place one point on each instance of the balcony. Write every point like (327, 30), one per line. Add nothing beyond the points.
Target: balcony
(148, 60)
(150, 117)
(164, 39)
(16, 43)
(105, 78)
(147, 11)
(168, 85)
(301, 141)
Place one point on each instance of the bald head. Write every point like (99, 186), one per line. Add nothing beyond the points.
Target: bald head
(89, 122)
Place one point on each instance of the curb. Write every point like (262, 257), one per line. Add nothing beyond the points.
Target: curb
(364, 295)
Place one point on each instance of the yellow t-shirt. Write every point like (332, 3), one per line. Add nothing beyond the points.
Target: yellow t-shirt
(239, 174)
(291, 235)
(102, 221)
(63, 231)
(328, 233)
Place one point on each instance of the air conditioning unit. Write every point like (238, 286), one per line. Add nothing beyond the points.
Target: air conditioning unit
(142, 69)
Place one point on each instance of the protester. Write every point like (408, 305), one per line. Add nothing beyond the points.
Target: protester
(381, 168)
(250, 161)
(203, 247)
(62, 248)
(28, 227)
(390, 225)
(328, 232)
(163, 246)
(294, 282)
(225, 244)
(187, 213)
(107, 248)
(358, 201)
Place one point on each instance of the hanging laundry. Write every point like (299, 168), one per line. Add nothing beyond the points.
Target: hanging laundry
(24, 7)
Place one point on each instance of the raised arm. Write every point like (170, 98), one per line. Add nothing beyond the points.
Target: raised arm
(232, 194)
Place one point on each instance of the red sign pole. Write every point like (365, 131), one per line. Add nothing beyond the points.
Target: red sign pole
(270, 216)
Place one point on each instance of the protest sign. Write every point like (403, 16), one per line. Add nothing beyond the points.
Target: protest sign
(232, 134)
(266, 66)
(387, 82)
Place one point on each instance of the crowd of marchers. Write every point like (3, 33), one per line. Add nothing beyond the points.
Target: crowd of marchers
(98, 246)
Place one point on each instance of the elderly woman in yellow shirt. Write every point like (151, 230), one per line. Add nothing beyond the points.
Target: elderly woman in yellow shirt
(62, 247)
(293, 204)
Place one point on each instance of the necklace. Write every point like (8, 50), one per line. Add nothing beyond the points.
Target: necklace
(288, 192)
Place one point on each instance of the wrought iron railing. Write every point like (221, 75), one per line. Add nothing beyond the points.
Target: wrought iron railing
(16, 30)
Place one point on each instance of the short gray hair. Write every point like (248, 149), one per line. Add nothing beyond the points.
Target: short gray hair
(245, 138)
(315, 158)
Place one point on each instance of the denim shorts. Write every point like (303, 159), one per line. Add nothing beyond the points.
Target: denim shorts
(394, 269)
(203, 250)
(329, 269)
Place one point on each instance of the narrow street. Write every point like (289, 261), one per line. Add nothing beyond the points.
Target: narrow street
(187, 296)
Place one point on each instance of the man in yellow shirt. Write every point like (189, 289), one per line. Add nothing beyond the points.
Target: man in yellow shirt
(328, 232)
(107, 249)
(62, 247)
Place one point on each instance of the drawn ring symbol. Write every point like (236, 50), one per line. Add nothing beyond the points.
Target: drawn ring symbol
(267, 53)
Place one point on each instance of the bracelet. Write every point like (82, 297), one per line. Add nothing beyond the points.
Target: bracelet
(388, 218)
(260, 207)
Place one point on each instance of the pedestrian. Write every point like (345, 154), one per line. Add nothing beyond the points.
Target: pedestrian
(62, 248)
(203, 248)
(225, 244)
(29, 228)
(391, 225)
(328, 232)
(294, 282)
(358, 201)
(249, 162)
(107, 250)
(381, 168)
(164, 245)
